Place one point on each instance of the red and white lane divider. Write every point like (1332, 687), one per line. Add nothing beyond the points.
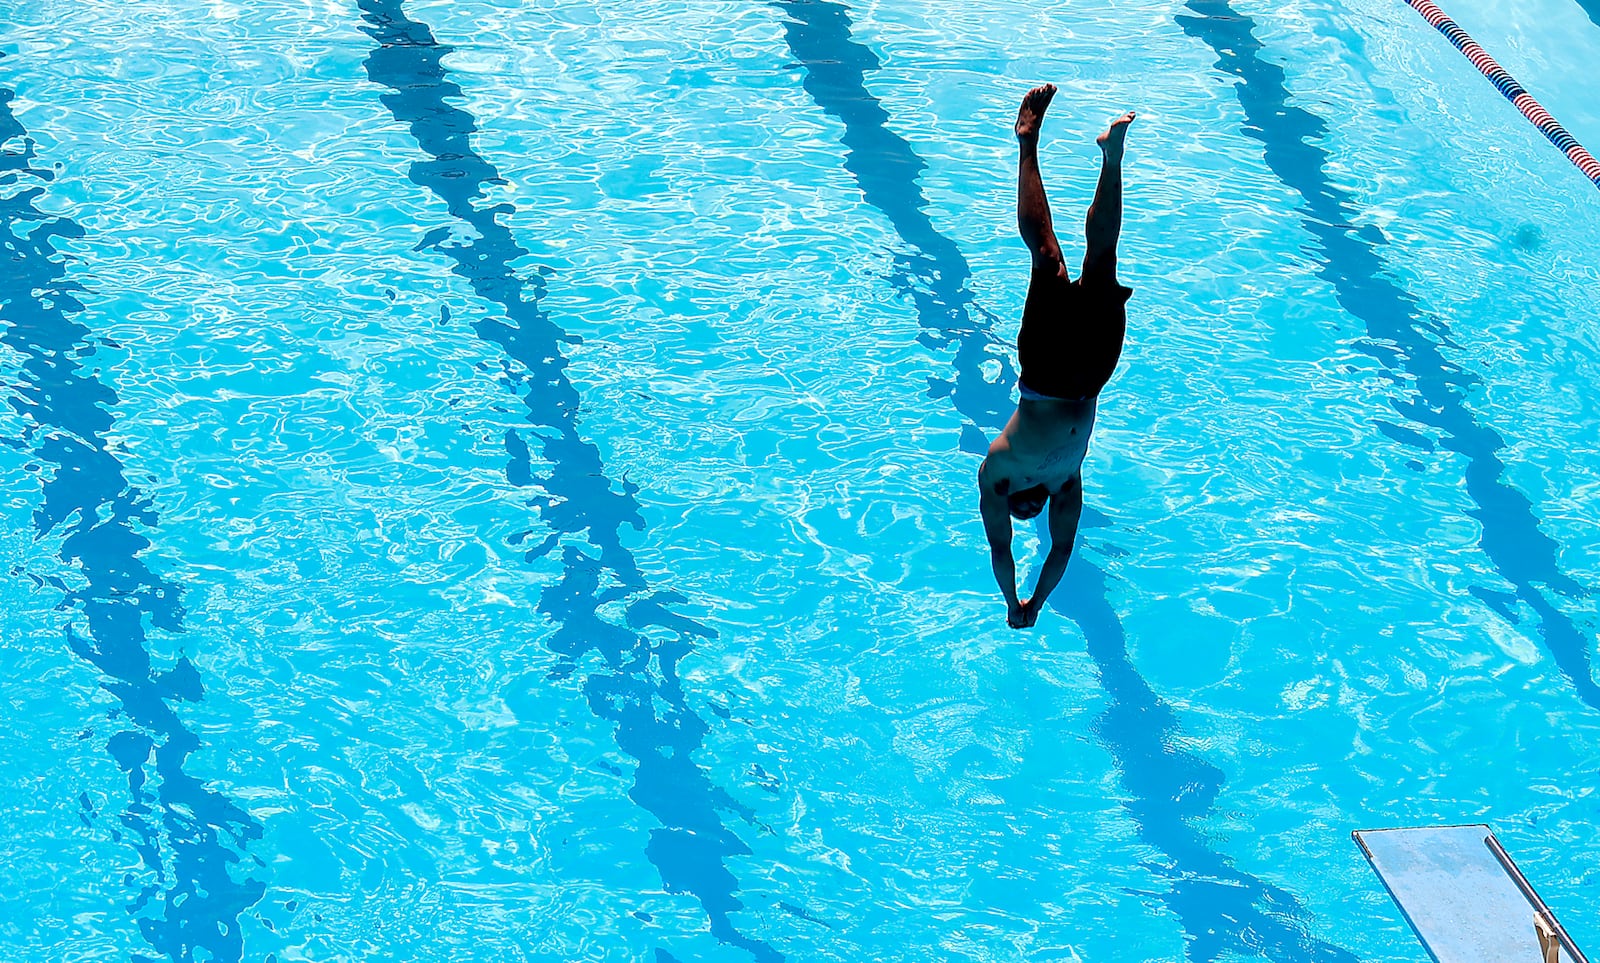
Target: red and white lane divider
(1512, 90)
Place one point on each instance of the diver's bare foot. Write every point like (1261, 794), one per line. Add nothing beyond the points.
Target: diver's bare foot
(1111, 141)
(1031, 114)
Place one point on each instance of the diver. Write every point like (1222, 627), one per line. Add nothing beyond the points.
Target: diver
(1069, 344)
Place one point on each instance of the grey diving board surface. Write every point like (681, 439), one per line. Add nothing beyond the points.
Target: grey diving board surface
(1464, 897)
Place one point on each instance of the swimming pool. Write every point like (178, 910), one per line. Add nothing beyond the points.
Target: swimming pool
(492, 481)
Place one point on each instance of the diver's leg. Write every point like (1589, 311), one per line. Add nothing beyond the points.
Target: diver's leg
(1033, 211)
(1104, 224)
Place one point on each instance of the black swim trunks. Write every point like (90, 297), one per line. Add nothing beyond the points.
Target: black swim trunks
(1071, 334)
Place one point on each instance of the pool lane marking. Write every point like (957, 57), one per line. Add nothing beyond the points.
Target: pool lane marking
(691, 848)
(1510, 89)
(187, 835)
(886, 169)
(1400, 341)
(1219, 906)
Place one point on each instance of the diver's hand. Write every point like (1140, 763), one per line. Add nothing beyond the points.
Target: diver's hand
(1017, 615)
(1030, 614)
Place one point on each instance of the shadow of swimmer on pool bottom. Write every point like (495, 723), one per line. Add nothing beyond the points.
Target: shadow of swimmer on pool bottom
(1067, 349)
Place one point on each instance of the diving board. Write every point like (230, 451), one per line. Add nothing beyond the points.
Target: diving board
(1464, 897)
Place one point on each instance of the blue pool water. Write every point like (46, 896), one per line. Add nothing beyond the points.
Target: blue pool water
(493, 481)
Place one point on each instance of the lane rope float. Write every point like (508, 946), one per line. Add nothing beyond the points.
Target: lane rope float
(1513, 91)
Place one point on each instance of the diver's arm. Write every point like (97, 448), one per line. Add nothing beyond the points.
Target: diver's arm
(997, 526)
(1066, 507)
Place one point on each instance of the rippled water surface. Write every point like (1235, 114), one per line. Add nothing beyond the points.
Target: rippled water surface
(494, 480)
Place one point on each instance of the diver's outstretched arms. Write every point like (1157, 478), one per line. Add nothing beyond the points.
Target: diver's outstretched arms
(1066, 508)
